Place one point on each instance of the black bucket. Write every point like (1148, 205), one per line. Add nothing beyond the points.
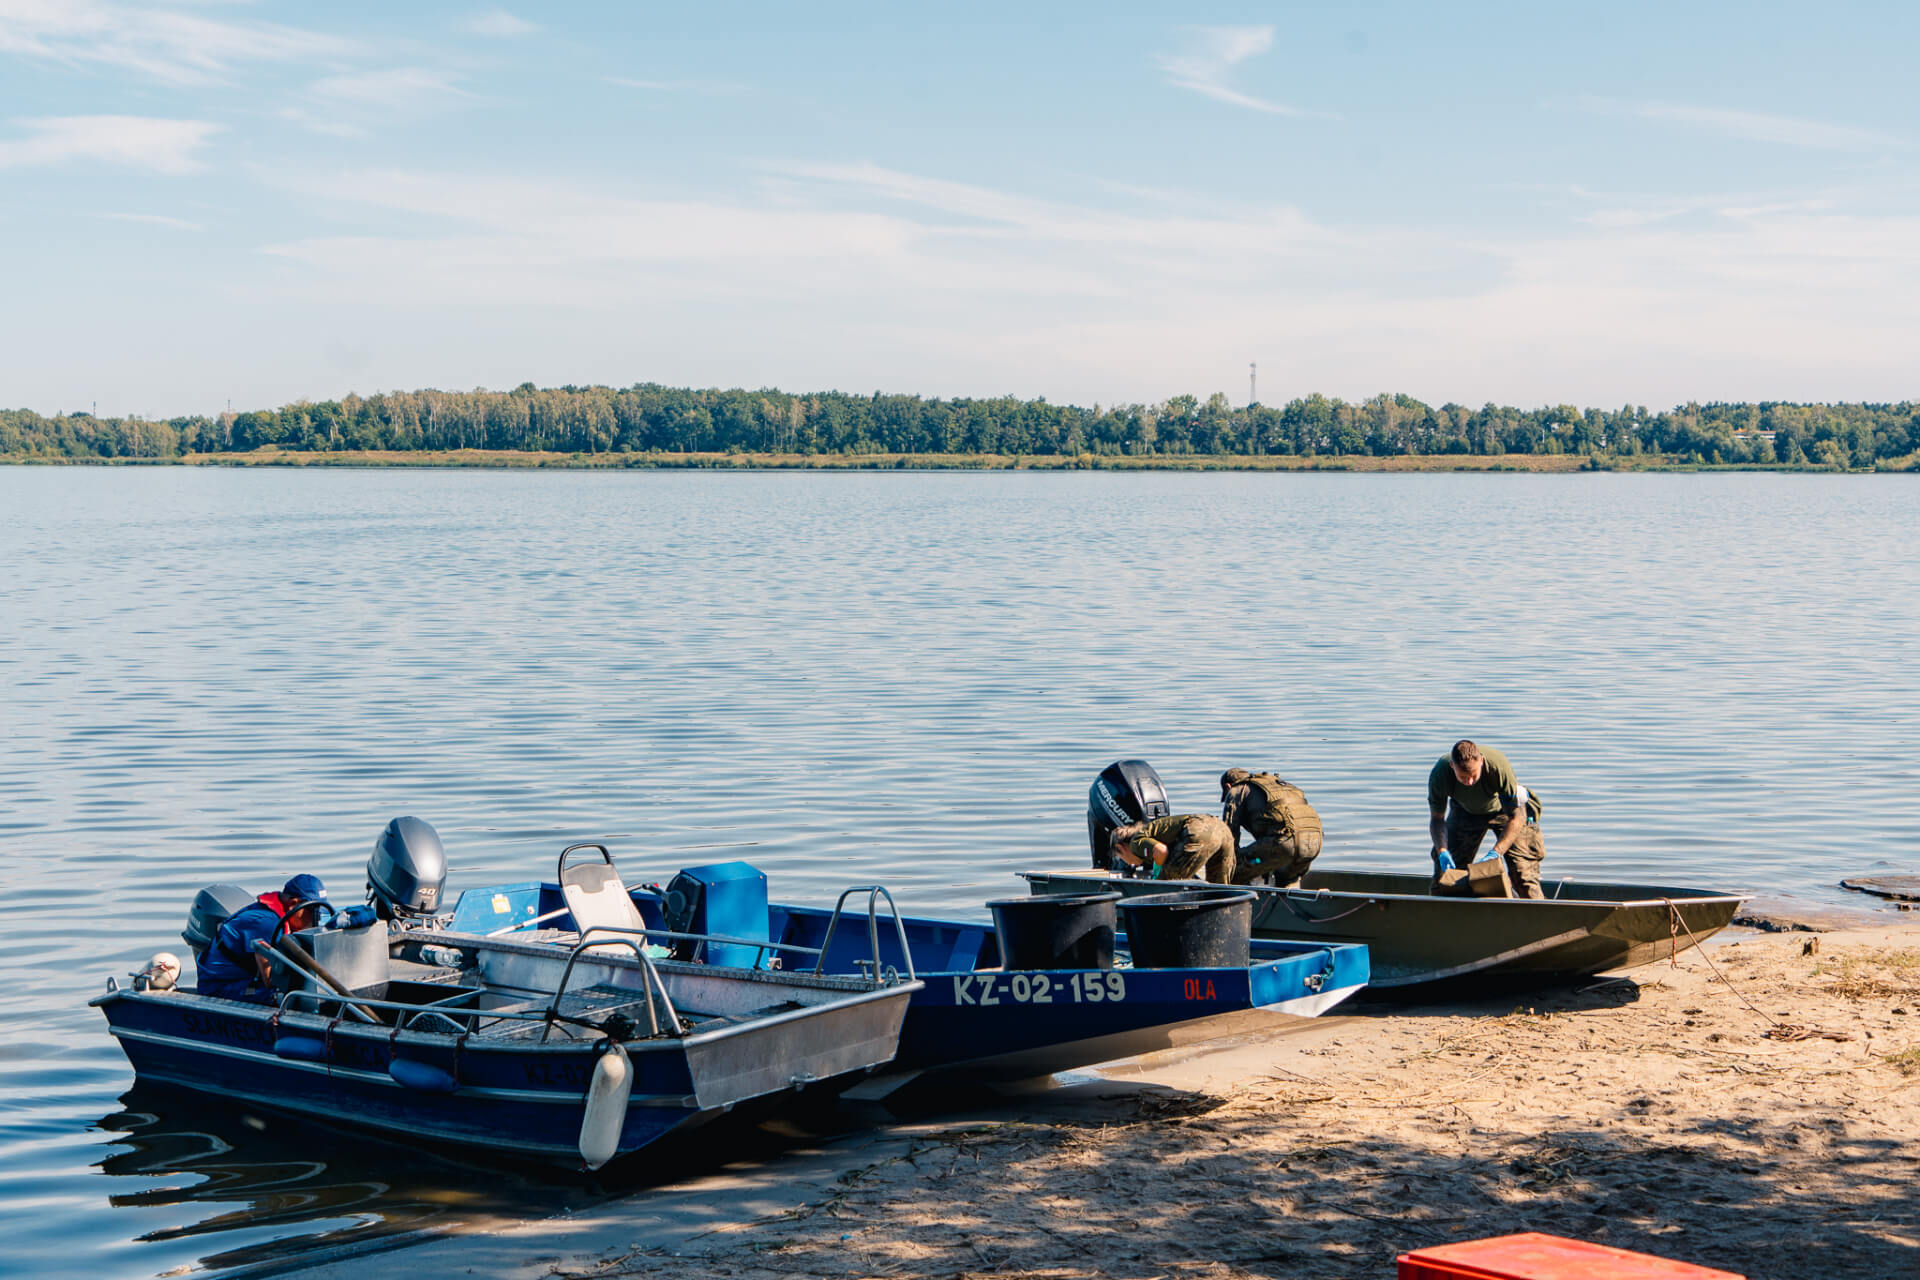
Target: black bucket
(1199, 929)
(1055, 931)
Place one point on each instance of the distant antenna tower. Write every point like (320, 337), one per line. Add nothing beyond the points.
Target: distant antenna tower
(1253, 383)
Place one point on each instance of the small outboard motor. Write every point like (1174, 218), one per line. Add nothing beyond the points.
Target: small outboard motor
(210, 909)
(407, 870)
(1126, 791)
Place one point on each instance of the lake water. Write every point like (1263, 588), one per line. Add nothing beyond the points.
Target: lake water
(234, 675)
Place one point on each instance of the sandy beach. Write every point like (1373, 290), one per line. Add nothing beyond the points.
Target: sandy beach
(1749, 1108)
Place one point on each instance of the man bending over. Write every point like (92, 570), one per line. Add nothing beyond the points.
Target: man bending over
(1181, 846)
(1471, 791)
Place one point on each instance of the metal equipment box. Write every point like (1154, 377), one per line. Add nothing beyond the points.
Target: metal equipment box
(725, 898)
(356, 957)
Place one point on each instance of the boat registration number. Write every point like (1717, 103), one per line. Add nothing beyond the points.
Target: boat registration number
(1038, 988)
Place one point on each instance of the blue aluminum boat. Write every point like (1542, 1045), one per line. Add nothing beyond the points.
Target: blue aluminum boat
(572, 1055)
(970, 1014)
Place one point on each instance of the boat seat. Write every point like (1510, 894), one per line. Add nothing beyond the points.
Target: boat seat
(598, 900)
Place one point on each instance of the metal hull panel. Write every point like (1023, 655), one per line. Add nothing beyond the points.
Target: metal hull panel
(798, 1051)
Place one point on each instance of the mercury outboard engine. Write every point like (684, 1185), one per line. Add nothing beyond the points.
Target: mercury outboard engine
(210, 909)
(1126, 791)
(407, 870)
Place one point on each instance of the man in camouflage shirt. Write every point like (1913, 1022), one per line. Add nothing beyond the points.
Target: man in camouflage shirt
(1472, 790)
(1181, 846)
(1285, 829)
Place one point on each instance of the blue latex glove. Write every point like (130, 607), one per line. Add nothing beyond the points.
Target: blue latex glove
(1491, 852)
(1442, 861)
(354, 917)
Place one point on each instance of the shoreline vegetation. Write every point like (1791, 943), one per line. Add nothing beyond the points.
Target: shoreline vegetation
(518, 460)
(651, 426)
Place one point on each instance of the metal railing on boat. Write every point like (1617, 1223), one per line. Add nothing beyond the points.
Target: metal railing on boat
(407, 1014)
(881, 974)
(650, 980)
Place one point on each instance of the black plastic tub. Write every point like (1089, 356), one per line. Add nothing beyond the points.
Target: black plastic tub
(1198, 929)
(1071, 931)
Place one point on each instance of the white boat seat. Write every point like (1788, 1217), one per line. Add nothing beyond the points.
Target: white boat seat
(597, 899)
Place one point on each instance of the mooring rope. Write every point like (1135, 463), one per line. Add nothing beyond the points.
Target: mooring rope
(1776, 1030)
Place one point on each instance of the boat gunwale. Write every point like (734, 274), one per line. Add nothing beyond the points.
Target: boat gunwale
(304, 1019)
(1674, 896)
(569, 1097)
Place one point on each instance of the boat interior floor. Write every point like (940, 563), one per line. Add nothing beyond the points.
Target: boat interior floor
(598, 1003)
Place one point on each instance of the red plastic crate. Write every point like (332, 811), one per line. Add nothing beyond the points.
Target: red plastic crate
(1533, 1256)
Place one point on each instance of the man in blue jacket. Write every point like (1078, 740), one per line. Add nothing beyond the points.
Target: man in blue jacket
(229, 968)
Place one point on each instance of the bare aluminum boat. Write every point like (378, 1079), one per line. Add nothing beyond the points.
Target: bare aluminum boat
(1415, 938)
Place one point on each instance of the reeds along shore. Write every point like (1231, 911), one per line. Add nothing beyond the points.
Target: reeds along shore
(513, 459)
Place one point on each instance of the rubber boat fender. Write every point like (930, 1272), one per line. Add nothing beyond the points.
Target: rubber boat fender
(606, 1110)
(423, 1076)
(301, 1048)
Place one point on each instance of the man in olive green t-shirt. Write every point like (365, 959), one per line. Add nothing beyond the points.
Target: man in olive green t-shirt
(1473, 790)
(1181, 846)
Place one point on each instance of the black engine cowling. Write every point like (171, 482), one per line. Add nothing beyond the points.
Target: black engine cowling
(1126, 791)
(407, 870)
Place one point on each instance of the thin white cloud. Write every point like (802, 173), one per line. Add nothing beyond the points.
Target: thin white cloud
(164, 44)
(328, 123)
(354, 104)
(1208, 59)
(498, 22)
(986, 287)
(1752, 126)
(1634, 217)
(134, 142)
(153, 219)
(393, 87)
(678, 86)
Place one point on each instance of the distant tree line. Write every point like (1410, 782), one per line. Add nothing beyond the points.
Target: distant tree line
(647, 418)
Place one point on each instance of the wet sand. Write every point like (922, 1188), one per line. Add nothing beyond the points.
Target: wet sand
(1759, 1119)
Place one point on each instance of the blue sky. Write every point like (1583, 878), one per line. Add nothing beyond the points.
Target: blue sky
(1528, 203)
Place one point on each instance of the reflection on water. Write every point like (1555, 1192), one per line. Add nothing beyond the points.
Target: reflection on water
(240, 1188)
(248, 1191)
(216, 675)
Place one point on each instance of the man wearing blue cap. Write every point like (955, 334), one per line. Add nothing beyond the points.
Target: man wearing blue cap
(229, 968)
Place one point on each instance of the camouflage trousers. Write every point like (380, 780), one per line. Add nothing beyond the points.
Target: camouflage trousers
(1202, 851)
(1271, 859)
(1466, 830)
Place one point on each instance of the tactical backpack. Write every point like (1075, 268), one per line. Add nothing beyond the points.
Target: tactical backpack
(1289, 819)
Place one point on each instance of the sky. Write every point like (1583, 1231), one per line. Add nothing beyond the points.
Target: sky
(1600, 204)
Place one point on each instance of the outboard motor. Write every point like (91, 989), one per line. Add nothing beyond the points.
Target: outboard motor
(1126, 791)
(407, 870)
(210, 909)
